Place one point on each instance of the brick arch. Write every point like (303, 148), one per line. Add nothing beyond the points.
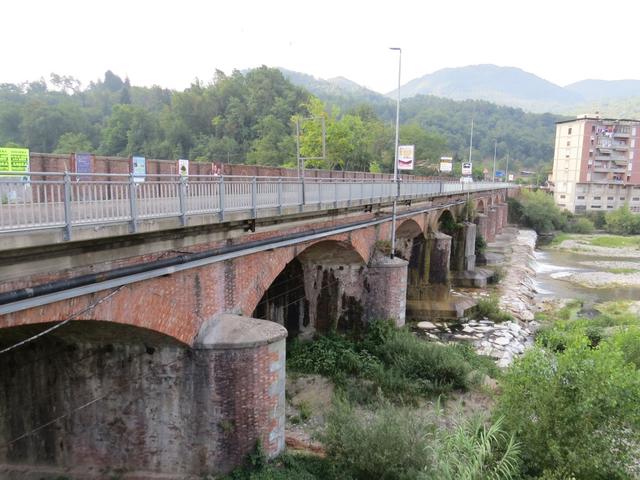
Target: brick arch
(480, 206)
(409, 228)
(272, 269)
(441, 213)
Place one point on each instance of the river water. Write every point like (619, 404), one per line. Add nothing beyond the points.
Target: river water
(551, 265)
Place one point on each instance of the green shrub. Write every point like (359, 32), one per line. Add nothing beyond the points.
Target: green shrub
(473, 450)
(514, 210)
(579, 225)
(628, 342)
(490, 308)
(396, 443)
(540, 212)
(481, 245)
(330, 355)
(391, 360)
(391, 444)
(576, 410)
(622, 221)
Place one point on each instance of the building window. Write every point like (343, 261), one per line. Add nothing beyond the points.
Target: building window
(595, 206)
(569, 133)
(609, 198)
(596, 198)
(568, 144)
(580, 197)
(635, 199)
(562, 196)
(622, 198)
(609, 206)
(593, 128)
(566, 156)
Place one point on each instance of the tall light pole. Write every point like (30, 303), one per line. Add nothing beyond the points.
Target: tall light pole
(395, 157)
(495, 152)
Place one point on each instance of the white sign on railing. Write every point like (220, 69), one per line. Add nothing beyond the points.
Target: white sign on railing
(183, 167)
(138, 168)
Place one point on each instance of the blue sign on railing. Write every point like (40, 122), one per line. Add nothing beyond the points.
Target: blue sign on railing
(499, 173)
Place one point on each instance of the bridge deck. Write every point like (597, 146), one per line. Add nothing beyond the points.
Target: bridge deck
(68, 202)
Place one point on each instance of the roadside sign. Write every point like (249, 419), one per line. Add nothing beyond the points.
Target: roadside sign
(183, 167)
(467, 168)
(405, 157)
(14, 160)
(446, 164)
(138, 168)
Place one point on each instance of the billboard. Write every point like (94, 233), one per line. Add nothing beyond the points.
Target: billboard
(446, 164)
(138, 168)
(14, 160)
(183, 167)
(405, 157)
(467, 168)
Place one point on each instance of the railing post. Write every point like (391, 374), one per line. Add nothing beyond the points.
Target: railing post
(67, 206)
(280, 195)
(182, 192)
(350, 192)
(320, 196)
(335, 195)
(254, 197)
(221, 193)
(133, 204)
(304, 196)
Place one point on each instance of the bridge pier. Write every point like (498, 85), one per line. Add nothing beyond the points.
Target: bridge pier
(386, 286)
(78, 403)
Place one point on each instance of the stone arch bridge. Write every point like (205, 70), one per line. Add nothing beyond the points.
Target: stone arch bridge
(158, 348)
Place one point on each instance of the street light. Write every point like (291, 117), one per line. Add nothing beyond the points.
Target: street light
(395, 160)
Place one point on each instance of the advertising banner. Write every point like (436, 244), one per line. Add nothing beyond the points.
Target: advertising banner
(446, 164)
(14, 160)
(467, 168)
(405, 157)
(138, 168)
(183, 167)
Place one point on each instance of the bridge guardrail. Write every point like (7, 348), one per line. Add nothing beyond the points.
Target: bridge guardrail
(39, 200)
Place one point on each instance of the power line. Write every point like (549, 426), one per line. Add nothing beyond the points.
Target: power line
(64, 322)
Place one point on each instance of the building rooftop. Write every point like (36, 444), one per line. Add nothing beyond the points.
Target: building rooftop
(598, 118)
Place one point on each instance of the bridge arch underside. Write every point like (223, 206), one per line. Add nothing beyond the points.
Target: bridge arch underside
(321, 289)
(94, 398)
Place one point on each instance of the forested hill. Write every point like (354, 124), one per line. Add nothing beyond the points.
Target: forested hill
(247, 118)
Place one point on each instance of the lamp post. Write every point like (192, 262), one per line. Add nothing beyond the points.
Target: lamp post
(395, 157)
(495, 152)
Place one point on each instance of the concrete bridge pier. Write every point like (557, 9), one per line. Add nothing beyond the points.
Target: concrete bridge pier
(464, 272)
(80, 403)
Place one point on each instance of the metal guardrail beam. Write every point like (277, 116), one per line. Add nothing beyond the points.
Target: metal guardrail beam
(42, 200)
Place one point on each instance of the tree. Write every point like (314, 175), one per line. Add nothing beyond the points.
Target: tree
(574, 411)
(72, 142)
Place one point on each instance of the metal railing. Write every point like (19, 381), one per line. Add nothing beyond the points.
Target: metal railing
(45, 200)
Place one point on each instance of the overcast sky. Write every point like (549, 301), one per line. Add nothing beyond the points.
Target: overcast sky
(170, 43)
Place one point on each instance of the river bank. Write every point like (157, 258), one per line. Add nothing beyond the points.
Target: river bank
(512, 258)
(600, 261)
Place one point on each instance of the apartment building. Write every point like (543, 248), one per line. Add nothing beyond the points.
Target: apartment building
(593, 164)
